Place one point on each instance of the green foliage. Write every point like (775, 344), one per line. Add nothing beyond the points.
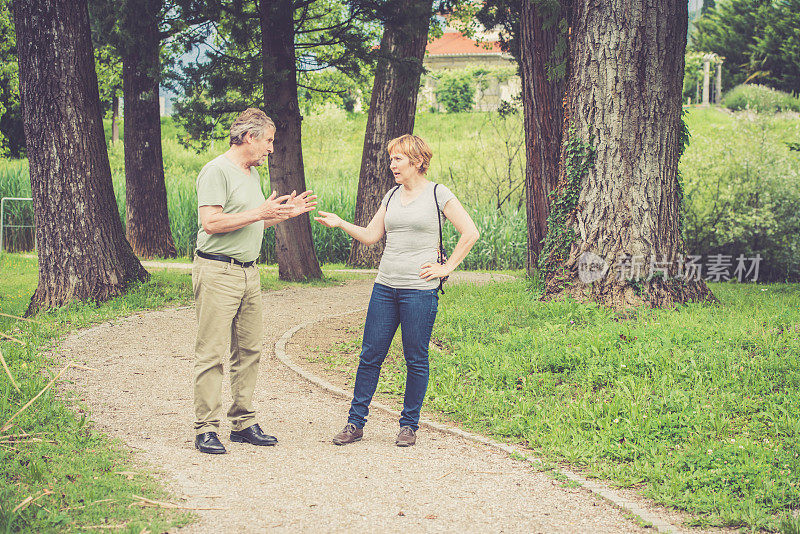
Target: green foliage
(108, 65)
(14, 182)
(757, 38)
(456, 91)
(742, 189)
(578, 159)
(330, 36)
(12, 136)
(695, 406)
(759, 98)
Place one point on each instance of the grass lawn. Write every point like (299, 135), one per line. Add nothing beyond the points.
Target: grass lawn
(78, 478)
(697, 406)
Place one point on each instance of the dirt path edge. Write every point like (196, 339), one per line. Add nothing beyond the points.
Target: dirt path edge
(647, 517)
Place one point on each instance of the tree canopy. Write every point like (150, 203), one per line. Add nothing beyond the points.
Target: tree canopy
(332, 49)
(758, 39)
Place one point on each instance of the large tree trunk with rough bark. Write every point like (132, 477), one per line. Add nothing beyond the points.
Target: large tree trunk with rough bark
(297, 259)
(83, 253)
(391, 112)
(147, 218)
(614, 232)
(543, 85)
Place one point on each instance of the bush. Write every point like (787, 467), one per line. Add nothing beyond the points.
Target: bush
(759, 98)
(742, 194)
(456, 92)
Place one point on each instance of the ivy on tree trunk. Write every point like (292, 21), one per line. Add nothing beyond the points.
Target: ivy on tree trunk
(623, 246)
(541, 56)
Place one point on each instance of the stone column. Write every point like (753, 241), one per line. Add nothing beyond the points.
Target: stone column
(706, 80)
(718, 96)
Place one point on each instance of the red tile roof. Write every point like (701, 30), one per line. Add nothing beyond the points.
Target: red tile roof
(456, 43)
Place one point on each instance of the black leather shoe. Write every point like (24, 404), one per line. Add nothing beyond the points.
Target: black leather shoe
(209, 443)
(254, 436)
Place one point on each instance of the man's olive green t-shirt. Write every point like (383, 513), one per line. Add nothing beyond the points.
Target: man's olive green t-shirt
(222, 183)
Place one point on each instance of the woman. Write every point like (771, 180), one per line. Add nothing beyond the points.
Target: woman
(405, 291)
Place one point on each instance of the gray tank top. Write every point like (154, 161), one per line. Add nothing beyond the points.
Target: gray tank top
(412, 237)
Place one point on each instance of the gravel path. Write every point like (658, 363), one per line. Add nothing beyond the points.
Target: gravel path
(141, 393)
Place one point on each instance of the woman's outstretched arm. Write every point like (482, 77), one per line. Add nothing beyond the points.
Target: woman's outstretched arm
(369, 235)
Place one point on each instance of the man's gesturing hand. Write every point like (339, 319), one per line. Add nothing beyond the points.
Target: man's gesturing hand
(302, 203)
(276, 207)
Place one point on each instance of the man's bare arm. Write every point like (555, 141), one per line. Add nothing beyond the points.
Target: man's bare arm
(274, 208)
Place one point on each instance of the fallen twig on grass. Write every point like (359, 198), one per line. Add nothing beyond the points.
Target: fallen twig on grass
(29, 500)
(20, 318)
(19, 436)
(49, 384)
(80, 506)
(8, 372)
(143, 501)
(30, 440)
(12, 338)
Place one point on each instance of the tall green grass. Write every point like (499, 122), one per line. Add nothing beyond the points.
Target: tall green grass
(742, 184)
(332, 151)
(14, 182)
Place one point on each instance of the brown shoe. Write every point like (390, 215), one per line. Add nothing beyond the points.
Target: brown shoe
(406, 438)
(349, 434)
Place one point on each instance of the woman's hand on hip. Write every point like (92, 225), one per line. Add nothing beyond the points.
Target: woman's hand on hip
(431, 271)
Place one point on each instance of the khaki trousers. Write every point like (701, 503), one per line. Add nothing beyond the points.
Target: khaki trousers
(229, 322)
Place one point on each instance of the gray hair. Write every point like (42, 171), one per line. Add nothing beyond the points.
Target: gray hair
(251, 120)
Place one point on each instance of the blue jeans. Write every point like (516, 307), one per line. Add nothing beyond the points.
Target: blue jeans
(415, 309)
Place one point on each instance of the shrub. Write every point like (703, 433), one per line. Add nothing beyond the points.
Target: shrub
(742, 194)
(759, 98)
(456, 92)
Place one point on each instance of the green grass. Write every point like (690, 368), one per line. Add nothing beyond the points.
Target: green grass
(78, 465)
(697, 406)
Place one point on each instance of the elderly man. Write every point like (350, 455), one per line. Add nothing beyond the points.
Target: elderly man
(232, 215)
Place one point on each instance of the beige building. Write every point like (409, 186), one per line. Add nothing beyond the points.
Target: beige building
(454, 51)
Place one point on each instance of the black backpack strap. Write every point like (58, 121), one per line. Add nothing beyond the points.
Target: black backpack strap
(441, 242)
(391, 195)
(438, 217)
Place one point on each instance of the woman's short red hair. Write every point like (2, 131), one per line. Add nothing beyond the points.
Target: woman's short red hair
(414, 148)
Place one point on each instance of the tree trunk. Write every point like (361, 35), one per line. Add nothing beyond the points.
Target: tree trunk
(391, 113)
(543, 106)
(620, 238)
(114, 120)
(83, 253)
(147, 218)
(294, 244)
